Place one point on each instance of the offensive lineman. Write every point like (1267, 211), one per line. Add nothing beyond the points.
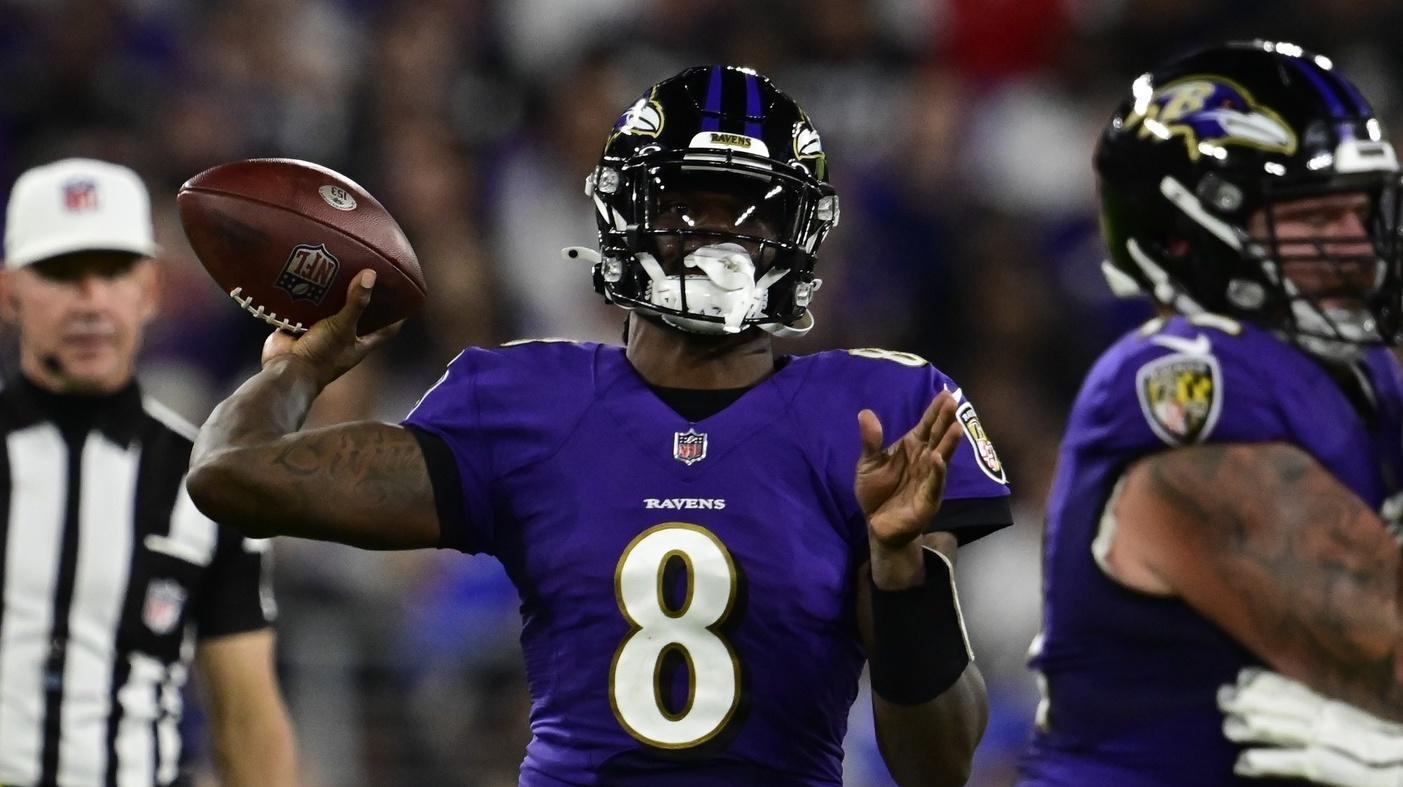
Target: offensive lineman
(1226, 508)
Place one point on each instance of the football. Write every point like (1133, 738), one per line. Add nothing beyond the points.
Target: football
(284, 239)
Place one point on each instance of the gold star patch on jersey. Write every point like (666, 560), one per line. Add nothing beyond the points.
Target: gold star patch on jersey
(1181, 396)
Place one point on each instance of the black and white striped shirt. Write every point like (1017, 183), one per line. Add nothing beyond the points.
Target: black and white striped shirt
(110, 576)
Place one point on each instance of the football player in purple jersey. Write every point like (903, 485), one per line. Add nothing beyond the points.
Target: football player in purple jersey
(1223, 584)
(709, 538)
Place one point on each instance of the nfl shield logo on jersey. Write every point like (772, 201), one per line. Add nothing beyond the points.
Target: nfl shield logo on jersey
(165, 599)
(689, 447)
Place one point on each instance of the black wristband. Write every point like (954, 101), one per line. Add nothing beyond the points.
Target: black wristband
(920, 647)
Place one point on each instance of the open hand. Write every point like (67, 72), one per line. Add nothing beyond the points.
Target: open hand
(331, 347)
(900, 487)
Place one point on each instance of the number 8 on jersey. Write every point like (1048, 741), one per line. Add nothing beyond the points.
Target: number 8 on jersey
(689, 630)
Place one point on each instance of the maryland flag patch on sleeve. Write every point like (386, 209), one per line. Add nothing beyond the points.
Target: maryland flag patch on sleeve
(984, 454)
(1181, 396)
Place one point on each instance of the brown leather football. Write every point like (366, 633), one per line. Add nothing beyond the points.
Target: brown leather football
(285, 238)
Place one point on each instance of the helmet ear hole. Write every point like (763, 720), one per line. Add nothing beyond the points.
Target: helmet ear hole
(1219, 195)
(1247, 295)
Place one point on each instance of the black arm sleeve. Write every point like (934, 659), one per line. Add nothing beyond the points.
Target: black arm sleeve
(448, 491)
(972, 518)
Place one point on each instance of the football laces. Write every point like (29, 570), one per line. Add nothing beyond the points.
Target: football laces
(270, 317)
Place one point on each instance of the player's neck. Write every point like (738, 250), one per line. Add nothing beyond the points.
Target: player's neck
(671, 358)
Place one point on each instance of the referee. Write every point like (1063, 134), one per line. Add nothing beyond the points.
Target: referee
(112, 582)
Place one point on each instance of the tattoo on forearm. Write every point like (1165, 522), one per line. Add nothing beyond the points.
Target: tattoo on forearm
(1323, 574)
(373, 464)
(362, 483)
(299, 460)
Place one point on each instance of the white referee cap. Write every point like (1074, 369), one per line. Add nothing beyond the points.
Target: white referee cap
(73, 205)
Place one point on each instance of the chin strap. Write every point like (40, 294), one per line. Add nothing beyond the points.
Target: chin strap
(800, 326)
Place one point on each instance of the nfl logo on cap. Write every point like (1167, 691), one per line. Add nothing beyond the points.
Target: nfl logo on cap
(80, 194)
(77, 205)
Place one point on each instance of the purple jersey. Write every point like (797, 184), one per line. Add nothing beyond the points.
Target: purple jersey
(1131, 679)
(687, 588)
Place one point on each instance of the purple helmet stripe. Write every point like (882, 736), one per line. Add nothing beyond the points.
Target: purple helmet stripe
(1312, 73)
(711, 113)
(1361, 105)
(754, 112)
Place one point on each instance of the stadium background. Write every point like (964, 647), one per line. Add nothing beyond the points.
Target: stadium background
(959, 132)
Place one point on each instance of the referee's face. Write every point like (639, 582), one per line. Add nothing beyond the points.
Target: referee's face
(80, 319)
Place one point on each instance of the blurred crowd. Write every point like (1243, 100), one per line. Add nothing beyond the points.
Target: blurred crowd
(960, 134)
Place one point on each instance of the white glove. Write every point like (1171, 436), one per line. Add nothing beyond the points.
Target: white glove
(1392, 513)
(1307, 736)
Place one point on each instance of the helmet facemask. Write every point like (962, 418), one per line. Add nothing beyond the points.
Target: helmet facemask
(717, 246)
(1341, 290)
(715, 243)
(1332, 294)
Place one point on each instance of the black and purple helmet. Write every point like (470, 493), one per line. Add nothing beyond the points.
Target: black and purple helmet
(1209, 140)
(732, 130)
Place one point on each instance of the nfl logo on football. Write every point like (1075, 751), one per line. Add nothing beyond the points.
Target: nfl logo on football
(165, 599)
(308, 272)
(689, 447)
